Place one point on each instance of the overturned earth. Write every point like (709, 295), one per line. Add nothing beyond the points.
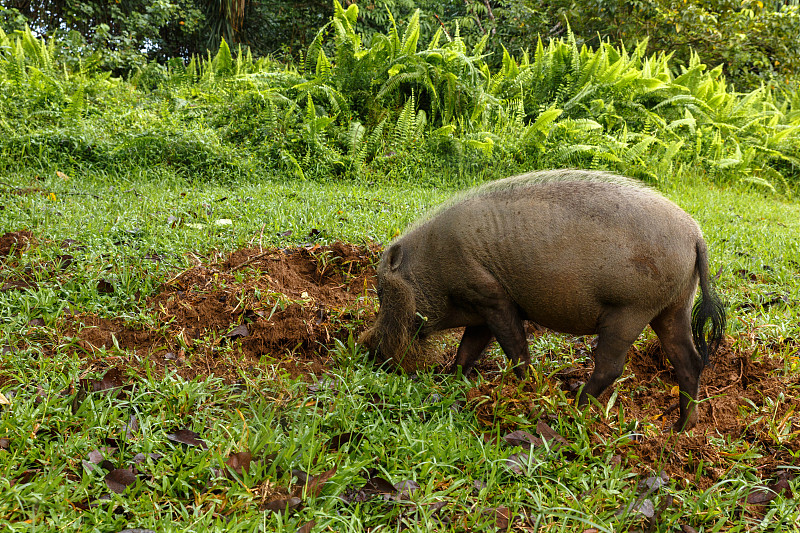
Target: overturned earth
(282, 306)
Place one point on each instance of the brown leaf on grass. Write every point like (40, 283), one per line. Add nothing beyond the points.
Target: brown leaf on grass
(131, 427)
(98, 456)
(522, 438)
(435, 507)
(337, 441)
(314, 488)
(119, 479)
(239, 462)
(518, 462)
(406, 489)
(139, 458)
(379, 485)
(4, 443)
(283, 505)
(25, 477)
(104, 287)
(763, 494)
(63, 261)
(307, 527)
(373, 487)
(188, 437)
(103, 499)
(550, 435)
(113, 379)
(112, 441)
(69, 311)
(502, 517)
(36, 322)
(302, 477)
(136, 530)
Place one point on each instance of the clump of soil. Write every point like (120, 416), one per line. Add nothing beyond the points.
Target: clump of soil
(15, 242)
(741, 399)
(281, 305)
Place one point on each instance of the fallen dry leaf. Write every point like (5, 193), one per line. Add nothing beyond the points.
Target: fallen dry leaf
(188, 437)
(239, 462)
(283, 505)
(315, 486)
(119, 479)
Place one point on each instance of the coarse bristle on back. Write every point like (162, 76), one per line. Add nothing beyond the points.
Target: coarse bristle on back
(527, 180)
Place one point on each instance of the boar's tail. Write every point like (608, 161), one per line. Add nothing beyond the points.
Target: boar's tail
(709, 306)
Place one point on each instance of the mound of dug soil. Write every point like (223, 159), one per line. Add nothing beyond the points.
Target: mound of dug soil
(15, 242)
(279, 305)
(742, 399)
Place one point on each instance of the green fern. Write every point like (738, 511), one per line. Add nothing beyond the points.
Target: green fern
(405, 127)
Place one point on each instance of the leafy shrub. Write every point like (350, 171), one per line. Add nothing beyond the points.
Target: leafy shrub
(397, 107)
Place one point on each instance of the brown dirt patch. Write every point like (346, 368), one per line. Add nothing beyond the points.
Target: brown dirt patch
(15, 242)
(745, 400)
(292, 303)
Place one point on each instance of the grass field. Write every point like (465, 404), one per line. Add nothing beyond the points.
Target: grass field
(131, 398)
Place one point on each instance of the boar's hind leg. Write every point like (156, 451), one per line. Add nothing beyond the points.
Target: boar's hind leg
(474, 341)
(616, 333)
(674, 330)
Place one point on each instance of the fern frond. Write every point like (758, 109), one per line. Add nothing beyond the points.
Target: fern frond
(411, 35)
(406, 124)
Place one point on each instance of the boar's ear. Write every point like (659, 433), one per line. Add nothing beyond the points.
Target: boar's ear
(394, 256)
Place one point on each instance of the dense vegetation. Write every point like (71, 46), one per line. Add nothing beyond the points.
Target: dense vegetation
(754, 41)
(353, 110)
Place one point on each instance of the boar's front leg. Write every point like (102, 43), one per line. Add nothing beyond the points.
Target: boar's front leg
(493, 313)
(503, 321)
(473, 342)
(506, 323)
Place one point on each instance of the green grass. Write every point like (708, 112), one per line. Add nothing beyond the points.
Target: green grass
(414, 427)
(132, 233)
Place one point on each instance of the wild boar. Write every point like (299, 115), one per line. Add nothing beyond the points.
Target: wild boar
(574, 251)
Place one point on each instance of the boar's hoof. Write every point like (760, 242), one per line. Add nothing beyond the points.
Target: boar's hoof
(465, 372)
(522, 369)
(689, 422)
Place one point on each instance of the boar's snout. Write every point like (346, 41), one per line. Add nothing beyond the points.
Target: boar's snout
(367, 340)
